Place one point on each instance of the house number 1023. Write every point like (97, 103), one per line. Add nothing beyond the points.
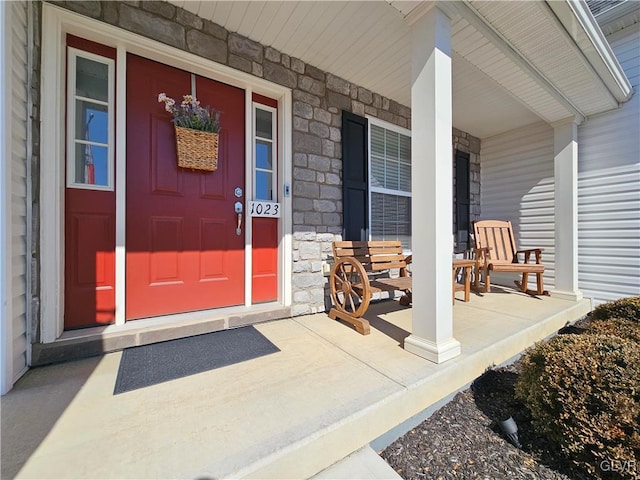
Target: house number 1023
(264, 209)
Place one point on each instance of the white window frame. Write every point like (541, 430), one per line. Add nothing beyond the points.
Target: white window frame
(385, 191)
(74, 53)
(274, 150)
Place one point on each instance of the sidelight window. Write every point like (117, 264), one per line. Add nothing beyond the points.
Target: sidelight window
(264, 152)
(90, 115)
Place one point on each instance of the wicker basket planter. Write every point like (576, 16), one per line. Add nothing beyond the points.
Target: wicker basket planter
(197, 149)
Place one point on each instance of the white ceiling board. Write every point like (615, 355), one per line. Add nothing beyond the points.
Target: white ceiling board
(553, 53)
(205, 10)
(368, 43)
(480, 106)
(267, 15)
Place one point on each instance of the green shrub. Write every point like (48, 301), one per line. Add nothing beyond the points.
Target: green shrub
(628, 308)
(583, 392)
(619, 327)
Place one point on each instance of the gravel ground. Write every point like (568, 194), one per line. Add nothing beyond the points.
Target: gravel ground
(463, 440)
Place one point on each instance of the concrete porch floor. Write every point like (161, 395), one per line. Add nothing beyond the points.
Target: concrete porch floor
(329, 392)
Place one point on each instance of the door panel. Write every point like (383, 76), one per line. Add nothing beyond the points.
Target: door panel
(265, 260)
(183, 253)
(90, 260)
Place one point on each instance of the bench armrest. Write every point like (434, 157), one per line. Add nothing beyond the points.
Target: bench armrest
(404, 271)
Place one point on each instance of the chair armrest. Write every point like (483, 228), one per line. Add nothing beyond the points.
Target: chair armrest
(482, 254)
(528, 252)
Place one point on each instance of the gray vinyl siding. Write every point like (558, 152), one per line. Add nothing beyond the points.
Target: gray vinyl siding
(517, 184)
(609, 189)
(18, 185)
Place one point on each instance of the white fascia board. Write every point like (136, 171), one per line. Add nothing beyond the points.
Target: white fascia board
(577, 20)
(484, 26)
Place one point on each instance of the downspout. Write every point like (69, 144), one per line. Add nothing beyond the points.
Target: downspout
(29, 153)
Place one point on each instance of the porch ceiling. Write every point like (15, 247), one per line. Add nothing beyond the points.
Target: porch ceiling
(514, 63)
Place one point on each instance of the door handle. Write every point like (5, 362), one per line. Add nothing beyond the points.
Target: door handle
(238, 210)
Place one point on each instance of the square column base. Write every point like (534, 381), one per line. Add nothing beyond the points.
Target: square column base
(434, 352)
(573, 295)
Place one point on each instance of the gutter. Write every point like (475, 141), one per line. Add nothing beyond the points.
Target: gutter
(577, 20)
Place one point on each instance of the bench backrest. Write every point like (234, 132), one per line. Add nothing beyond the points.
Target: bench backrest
(498, 236)
(375, 255)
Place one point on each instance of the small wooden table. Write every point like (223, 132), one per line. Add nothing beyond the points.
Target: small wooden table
(466, 287)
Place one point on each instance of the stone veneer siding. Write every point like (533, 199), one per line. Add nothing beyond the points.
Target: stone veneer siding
(318, 99)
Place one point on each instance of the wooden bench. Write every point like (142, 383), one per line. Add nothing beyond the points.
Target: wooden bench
(360, 270)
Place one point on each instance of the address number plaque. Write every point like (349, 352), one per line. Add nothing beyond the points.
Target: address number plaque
(264, 209)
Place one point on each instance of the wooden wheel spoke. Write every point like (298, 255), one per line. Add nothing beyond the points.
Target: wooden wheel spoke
(353, 307)
(348, 273)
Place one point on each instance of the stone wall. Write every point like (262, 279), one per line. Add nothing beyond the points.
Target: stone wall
(318, 99)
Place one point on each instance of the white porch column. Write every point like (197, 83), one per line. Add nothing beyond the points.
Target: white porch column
(565, 142)
(431, 189)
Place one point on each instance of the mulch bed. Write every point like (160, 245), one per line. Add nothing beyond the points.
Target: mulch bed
(463, 439)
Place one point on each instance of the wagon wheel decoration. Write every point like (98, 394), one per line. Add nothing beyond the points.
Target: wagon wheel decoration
(350, 289)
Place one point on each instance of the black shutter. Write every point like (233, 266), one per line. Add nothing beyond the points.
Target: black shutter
(463, 199)
(355, 177)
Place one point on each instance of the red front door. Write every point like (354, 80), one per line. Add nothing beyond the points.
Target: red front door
(183, 250)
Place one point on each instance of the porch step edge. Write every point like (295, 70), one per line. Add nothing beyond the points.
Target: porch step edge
(96, 344)
(364, 463)
(332, 443)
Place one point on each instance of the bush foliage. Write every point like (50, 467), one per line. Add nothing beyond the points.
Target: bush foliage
(628, 308)
(619, 327)
(583, 392)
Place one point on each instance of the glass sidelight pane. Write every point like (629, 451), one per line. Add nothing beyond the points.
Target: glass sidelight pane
(264, 186)
(91, 164)
(92, 121)
(264, 155)
(264, 124)
(92, 79)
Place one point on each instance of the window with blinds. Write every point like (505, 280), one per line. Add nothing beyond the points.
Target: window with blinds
(390, 183)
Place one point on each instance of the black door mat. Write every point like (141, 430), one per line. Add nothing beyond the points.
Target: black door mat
(160, 362)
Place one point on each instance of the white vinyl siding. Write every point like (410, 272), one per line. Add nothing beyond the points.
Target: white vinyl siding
(517, 184)
(609, 189)
(15, 183)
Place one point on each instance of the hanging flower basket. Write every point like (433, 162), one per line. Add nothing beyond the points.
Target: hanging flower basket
(196, 130)
(197, 149)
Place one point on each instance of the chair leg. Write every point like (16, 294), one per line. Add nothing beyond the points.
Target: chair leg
(541, 290)
(487, 280)
(525, 281)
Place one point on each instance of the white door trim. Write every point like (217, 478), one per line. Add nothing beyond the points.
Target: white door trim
(57, 22)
